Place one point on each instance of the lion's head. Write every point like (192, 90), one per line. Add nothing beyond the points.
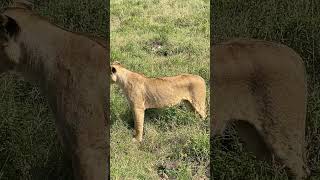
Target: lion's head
(116, 70)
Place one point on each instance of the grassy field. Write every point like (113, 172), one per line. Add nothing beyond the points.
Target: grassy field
(296, 25)
(29, 148)
(160, 38)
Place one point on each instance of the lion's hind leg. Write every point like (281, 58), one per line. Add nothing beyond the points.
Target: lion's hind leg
(199, 106)
(198, 99)
(288, 149)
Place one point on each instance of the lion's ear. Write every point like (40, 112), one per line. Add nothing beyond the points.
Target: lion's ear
(12, 27)
(116, 62)
(9, 27)
(113, 70)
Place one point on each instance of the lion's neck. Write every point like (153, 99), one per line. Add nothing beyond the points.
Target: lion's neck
(126, 79)
(123, 80)
(37, 58)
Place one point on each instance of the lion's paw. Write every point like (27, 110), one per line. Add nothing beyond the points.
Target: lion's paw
(135, 140)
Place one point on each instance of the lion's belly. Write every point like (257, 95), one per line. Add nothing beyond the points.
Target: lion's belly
(165, 97)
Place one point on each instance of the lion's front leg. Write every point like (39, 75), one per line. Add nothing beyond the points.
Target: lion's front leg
(138, 123)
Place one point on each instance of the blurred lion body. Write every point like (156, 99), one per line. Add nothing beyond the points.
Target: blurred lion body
(143, 93)
(261, 88)
(71, 69)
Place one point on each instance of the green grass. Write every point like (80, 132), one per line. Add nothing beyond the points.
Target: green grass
(294, 24)
(29, 148)
(176, 141)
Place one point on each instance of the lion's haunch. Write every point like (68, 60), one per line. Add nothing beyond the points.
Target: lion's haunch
(261, 86)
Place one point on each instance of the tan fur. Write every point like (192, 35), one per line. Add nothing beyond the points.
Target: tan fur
(72, 71)
(261, 87)
(143, 93)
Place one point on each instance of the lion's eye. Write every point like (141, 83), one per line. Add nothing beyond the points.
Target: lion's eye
(113, 70)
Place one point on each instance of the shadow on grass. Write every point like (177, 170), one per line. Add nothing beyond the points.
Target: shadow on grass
(29, 146)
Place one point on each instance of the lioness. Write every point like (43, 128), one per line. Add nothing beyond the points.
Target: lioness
(261, 87)
(72, 71)
(143, 93)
